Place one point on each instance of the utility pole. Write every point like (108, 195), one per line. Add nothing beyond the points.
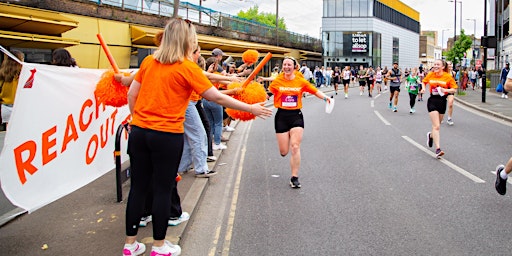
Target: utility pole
(277, 22)
(484, 62)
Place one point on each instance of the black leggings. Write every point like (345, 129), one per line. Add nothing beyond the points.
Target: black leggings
(154, 158)
(412, 99)
(206, 124)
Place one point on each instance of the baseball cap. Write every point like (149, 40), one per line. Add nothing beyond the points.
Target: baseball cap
(217, 52)
(395, 62)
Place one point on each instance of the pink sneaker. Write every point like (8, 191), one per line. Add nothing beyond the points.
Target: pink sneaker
(134, 249)
(168, 249)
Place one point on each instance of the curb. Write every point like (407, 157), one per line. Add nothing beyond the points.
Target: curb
(486, 111)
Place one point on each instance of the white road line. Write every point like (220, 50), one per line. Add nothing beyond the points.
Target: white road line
(381, 117)
(446, 162)
(372, 103)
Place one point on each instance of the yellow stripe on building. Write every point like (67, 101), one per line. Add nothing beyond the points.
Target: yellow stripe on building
(402, 8)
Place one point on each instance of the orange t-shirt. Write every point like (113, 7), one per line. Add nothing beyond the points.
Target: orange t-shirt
(446, 81)
(165, 92)
(288, 93)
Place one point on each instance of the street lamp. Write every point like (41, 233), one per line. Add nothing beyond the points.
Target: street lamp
(455, 18)
(474, 37)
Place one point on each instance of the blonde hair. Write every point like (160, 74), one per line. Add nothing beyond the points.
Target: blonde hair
(178, 42)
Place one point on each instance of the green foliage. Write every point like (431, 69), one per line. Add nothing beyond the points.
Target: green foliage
(456, 53)
(269, 19)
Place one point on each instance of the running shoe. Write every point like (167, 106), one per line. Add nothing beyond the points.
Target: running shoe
(430, 141)
(175, 221)
(449, 121)
(168, 249)
(413, 110)
(228, 128)
(500, 184)
(134, 249)
(206, 174)
(219, 146)
(294, 182)
(410, 111)
(211, 159)
(390, 105)
(439, 153)
(346, 95)
(395, 109)
(145, 220)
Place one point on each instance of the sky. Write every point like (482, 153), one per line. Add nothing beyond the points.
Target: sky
(305, 16)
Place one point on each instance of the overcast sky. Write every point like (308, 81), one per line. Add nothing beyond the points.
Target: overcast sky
(305, 16)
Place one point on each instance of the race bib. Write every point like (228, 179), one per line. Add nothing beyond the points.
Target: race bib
(289, 101)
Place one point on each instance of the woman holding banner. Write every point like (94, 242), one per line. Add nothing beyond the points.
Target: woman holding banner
(156, 140)
(9, 74)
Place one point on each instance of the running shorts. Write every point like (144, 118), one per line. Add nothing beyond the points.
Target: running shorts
(362, 83)
(285, 120)
(436, 103)
(346, 81)
(392, 89)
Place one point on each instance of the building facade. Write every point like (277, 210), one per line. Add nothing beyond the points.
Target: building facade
(370, 33)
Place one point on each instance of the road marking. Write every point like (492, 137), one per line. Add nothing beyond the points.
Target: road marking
(372, 103)
(381, 117)
(446, 162)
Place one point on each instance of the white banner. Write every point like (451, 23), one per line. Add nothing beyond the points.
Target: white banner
(58, 138)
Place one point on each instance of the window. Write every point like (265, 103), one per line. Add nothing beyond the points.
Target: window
(347, 8)
(355, 8)
(396, 52)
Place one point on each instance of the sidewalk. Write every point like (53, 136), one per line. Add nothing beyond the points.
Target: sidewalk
(91, 215)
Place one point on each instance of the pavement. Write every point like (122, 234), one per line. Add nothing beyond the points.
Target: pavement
(92, 215)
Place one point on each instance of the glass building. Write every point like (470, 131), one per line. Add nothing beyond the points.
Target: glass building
(370, 33)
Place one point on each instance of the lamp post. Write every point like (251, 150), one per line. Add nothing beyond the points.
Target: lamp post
(277, 22)
(474, 38)
(455, 18)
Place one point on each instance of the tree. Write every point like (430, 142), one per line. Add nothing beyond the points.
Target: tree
(269, 19)
(456, 53)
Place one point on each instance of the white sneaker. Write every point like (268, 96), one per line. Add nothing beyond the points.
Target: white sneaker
(145, 220)
(228, 128)
(506, 96)
(134, 249)
(167, 249)
(502, 95)
(211, 159)
(219, 146)
(346, 96)
(175, 222)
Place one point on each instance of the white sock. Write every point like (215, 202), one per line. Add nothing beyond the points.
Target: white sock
(503, 174)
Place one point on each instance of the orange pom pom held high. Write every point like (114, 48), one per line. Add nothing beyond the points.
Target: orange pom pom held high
(250, 56)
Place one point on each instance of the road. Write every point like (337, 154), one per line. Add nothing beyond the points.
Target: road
(370, 186)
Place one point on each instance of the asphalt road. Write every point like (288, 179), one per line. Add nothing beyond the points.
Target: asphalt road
(370, 186)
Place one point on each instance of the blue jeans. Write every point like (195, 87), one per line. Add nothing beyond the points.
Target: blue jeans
(214, 113)
(327, 81)
(195, 148)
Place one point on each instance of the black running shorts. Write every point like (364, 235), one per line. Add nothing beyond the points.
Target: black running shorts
(436, 103)
(392, 89)
(346, 81)
(285, 120)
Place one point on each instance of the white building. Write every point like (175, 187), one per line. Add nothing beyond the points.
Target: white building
(370, 33)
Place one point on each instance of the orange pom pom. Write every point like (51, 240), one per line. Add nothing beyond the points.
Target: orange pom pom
(110, 92)
(253, 93)
(250, 56)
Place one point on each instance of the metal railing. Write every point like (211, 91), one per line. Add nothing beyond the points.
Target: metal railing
(209, 17)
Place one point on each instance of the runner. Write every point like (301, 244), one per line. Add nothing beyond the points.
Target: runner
(346, 80)
(336, 78)
(451, 96)
(378, 80)
(441, 83)
(370, 75)
(502, 171)
(395, 77)
(289, 122)
(361, 77)
(413, 86)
